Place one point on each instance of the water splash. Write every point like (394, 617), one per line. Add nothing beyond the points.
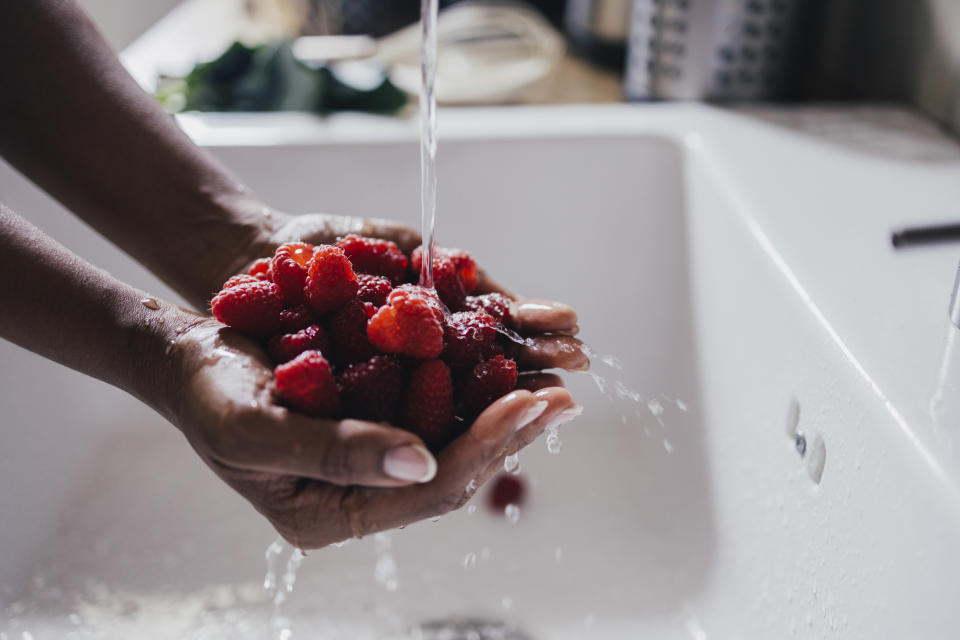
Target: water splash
(512, 513)
(554, 445)
(428, 137)
(385, 571)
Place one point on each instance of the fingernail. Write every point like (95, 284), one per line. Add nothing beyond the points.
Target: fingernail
(542, 305)
(565, 416)
(532, 414)
(410, 462)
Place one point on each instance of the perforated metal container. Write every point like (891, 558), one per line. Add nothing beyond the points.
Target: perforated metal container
(711, 49)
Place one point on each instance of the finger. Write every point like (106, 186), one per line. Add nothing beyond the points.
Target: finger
(548, 352)
(560, 409)
(543, 316)
(460, 462)
(534, 381)
(348, 452)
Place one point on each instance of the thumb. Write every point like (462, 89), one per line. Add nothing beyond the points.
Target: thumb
(345, 452)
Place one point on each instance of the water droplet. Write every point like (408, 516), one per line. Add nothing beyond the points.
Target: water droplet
(793, 418)
(435, 519)
(254, 404)
(471, 487)
(554, 444)
(471, 509)
(511, 462)
(655, 407)
(512, 512)
(506, 602)
(668, 447)
(150, 303)
(343, 543)
(817, 459)
(470, 561)
(682, 406)
(612, 361)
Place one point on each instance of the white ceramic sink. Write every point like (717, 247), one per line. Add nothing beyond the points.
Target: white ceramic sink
(735, 267)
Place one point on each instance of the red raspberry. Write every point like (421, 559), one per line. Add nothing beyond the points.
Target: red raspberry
(292, 320)
(467, 338)
(485, 383)
(371, 390)
(287, 347)
(495, 304)
(252, 306)
(289, 269)
(506, 490)
(464, 263)
(374, 256)
(373, 289)
(331, 282)
(306, 384)
(410, 323)
(261, 269)
(427, 406)
(348, 334)
(238, 279)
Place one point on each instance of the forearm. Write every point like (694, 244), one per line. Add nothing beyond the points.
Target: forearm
(57, 305)
(77, 124)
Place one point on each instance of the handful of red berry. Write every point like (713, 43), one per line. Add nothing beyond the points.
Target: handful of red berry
(351, 336)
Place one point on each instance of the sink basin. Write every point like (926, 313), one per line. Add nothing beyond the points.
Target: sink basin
(765, 463)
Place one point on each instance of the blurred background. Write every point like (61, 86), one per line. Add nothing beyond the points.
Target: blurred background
(898, 51)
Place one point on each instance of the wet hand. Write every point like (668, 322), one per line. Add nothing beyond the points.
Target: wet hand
(323, 481)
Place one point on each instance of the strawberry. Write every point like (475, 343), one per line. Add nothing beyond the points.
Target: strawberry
(468, 337)
(427, 405)
(330, 282)
(375, 257)
(410, 323)
(306, 384)
(286, 347)
(495, 304)
(249, 305)
(485, 383)
(373, 289)
(289, 270)
(462, 261)
(371, 390)
(348, 334)
(261, 269)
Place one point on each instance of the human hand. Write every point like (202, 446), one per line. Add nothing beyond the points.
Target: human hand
(323, 481)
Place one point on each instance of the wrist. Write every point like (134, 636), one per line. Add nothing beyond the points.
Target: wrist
(155, 372)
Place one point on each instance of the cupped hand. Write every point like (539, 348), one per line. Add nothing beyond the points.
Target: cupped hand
(323, 481)
(548, 327)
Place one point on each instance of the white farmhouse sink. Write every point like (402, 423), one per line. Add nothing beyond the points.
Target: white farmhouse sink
(737, 270)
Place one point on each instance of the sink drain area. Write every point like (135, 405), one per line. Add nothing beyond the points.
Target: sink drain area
(468, 629)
